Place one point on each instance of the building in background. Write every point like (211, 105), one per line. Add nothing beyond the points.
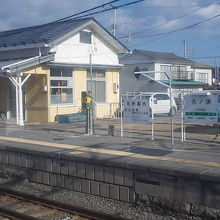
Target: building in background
(186, 74)
(44, 69)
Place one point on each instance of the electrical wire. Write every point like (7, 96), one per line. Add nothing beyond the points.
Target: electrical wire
(208, 57)
(212, 48)
(165, 23)
(108, 9)
(180, 29)
(82, 12)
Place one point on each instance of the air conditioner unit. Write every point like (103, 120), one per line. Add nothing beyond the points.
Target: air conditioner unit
(115, 87)
(44, 88)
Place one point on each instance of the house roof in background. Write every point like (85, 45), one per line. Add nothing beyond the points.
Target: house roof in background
(164, 57)
(45, 34)
(201, 66)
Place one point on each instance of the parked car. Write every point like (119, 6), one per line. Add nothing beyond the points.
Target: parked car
(161, 104)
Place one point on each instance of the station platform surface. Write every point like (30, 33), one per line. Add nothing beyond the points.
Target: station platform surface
(200, 155)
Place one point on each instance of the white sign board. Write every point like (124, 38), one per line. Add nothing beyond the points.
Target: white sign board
(201, 109)
(136, 109)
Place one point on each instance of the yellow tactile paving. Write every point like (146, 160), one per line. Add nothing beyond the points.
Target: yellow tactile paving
(75, 152)
(81, 149)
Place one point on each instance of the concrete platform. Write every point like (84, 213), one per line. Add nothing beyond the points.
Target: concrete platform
(129, 169)
(196, 155)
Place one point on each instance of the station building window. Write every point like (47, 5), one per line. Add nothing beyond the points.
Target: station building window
(61, 85)
(98, 84)
(85, 37)
(203, 77)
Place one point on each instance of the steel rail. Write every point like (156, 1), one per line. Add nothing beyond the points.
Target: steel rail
(64, 207)
(13, 215)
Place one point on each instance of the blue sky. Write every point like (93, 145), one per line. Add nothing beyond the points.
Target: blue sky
(140, 26)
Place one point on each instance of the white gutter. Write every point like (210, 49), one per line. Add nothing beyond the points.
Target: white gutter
(20, 47)
(23, 64)
(20, 62)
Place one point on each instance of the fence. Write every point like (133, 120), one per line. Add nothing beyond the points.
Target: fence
(107, 110)
(204, 133)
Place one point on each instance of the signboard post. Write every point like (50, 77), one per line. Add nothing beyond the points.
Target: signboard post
(201, 108)
(169, 76)
(87, 105)
(135, 109)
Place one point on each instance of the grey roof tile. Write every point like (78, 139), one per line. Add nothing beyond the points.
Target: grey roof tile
(201, 65)
(45, 33)
(164, 57)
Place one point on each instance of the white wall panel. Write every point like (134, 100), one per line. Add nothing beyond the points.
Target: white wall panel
(72, 51)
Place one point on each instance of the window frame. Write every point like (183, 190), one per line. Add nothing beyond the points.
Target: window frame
(95, 80)
(203, 77)
(69, 85)
(85, 37)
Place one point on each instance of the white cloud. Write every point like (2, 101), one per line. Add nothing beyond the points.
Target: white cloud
(168, 3)
(163, 24)
(209, 11)
(136, 18)
(4, 26)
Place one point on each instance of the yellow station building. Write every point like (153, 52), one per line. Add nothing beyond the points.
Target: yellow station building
(44, 69)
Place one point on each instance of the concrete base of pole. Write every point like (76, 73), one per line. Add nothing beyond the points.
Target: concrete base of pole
(111, 130)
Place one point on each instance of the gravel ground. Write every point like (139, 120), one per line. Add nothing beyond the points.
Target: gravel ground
(133, 212)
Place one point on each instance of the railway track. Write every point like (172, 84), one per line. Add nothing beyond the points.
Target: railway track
(16, 205)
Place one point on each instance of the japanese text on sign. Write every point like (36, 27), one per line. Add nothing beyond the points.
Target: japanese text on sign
(201, 109)
(136, 109)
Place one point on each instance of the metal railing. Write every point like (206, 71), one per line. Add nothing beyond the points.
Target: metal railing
(179, 75)
(107, 110)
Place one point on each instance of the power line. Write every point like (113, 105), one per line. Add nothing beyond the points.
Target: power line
(208, 57)
(108, 9)
(213, 48)
(165, 23)
(88, 10)
(150, 41)
(180, 29)
(100, 6)
(173, 6)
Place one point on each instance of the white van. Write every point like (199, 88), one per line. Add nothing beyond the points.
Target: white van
(161, 104)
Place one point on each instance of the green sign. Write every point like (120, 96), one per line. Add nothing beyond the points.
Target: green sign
(200, 113)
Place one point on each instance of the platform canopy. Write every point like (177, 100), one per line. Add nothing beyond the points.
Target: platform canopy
(12, 67)
(185, 82)
(13, 70)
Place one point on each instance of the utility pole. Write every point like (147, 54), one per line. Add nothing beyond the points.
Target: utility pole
(114, 22)
(184, 42)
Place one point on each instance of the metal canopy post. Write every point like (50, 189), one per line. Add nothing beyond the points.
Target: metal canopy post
(14, 82)
(171, 113)
(18, 83)
(121, 118)
(20, 101)
(152, 118)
